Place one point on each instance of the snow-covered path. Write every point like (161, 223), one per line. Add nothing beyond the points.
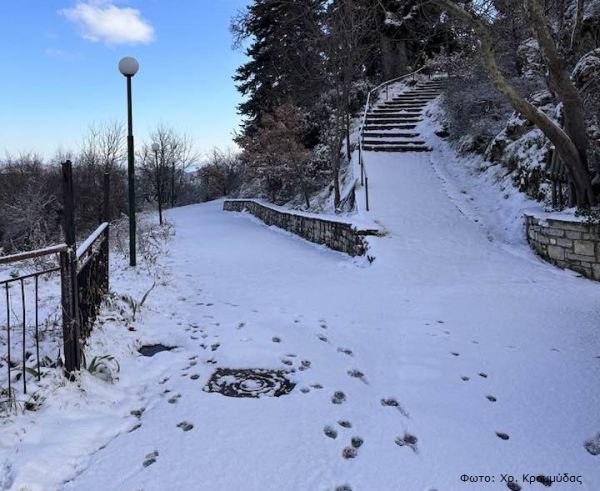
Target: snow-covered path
(458, 339)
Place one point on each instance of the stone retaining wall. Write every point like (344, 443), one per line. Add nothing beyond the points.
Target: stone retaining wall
(568, 244)
(339, 236)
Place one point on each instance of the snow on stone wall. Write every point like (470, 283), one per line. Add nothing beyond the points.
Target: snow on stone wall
(338, 236)
(568, 244)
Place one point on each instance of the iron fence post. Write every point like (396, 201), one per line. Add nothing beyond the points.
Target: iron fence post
(68, 269)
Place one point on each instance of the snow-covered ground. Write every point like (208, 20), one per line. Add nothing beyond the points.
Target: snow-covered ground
(455, 338)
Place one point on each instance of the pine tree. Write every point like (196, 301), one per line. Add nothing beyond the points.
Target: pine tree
(284, 58)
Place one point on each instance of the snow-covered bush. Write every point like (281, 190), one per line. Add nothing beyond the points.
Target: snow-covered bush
(476, 111)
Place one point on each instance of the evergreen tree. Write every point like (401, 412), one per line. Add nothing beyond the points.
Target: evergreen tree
(284, 65)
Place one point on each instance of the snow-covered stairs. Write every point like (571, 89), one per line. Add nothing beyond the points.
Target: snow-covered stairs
(391, 125)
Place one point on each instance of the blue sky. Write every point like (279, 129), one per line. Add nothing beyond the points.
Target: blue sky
(59, 69)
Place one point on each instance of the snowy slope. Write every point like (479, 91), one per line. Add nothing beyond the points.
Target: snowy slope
(462, 334)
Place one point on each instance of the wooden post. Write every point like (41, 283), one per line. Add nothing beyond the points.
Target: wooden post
(68, 268)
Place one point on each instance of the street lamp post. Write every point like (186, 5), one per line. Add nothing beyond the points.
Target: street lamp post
(155, 149)
(129, 66)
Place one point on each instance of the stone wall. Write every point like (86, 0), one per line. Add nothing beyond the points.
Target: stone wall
(339, 236)
(568, 244)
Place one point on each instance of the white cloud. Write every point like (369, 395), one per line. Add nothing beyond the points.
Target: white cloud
(104, 22)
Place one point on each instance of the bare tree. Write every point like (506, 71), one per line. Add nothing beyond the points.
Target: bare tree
(343, 43)
(164, 175)
(221, 173)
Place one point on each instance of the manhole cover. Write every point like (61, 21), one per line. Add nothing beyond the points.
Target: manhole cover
(249, 382)
(152, 349)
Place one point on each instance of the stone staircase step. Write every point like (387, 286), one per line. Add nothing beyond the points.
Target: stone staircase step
(393, 121)
(389, 134)
(407, 126)
(393, 115)
(408, 101)
(396, 148)
(418, 109)
(392, 104)
(412, 98)
(383, 142)
(388, 110)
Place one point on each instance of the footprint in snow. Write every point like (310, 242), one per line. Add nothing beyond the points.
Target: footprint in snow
(304, 365)
(215, 347)
(454, 353)
(407, 440)
(195, 376)
(330, 432)
(150, 458)
(185, 426)
(465, 379)
(322, 338)
(502, 436)
(137, 412)
(275, 339)
(305, 390)
(338, 397)
(174, 399)
(287, 362)
(394, 403)
(357, 374)
(483, 375)
(356, 441)
(346, 351)
(317, 386)
(349, 453)
(491, 398)
(513, 486)
(343, 487)
(345, 424)
(593, 445)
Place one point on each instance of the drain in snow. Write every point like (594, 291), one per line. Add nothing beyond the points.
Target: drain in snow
(152, 349)
(249, 382)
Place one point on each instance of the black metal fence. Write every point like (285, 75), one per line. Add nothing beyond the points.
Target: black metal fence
(92, 277)
(84, 280)
(20, 284)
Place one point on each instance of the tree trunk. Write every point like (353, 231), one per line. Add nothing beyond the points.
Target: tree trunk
(571, 142)
(158, 196)
(173, 185)
(306, 196)
(348, 151)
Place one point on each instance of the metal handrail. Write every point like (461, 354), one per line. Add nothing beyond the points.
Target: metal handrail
(89, 242)
(364, 178)
(22, 256)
